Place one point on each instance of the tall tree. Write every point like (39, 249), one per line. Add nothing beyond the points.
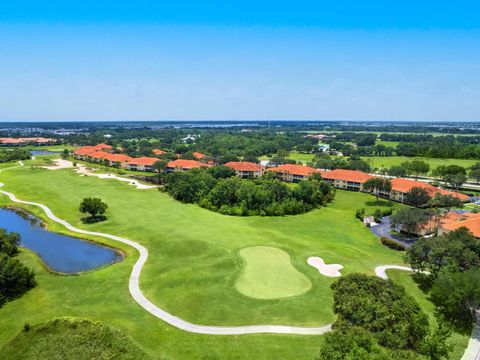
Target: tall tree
(417, 196)
(376, 185)
(95, 207)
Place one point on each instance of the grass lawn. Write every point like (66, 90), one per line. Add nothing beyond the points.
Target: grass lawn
(389, 161)
(387, 143)
(192, 268)
(269, 274)
(68, 338)
(294, 155)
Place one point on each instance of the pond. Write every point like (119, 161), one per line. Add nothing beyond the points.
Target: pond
(61, 253)
(43, 152)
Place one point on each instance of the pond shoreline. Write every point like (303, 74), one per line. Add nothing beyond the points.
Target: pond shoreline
(120, 255)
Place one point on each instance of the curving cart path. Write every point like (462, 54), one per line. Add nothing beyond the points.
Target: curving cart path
(472, 352)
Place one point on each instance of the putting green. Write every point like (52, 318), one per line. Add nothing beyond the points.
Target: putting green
(269, 274)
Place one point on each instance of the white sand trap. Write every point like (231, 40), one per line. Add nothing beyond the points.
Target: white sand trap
(331, 270)
(59, 164)
(83, 170)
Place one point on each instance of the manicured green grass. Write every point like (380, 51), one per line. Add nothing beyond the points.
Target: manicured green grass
(389, 161)
(387, 143)
(302, 157)
(295, 155)
(192, 267)
(68, 338)
(269, 274)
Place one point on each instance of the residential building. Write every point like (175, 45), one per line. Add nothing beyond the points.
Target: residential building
(454, 221)
(158, 151)
(245, 169)
(401, 186)
(141, 163)
(199, 155)
(293, 173)
(184, 165)
(27, 141)
(346, 179)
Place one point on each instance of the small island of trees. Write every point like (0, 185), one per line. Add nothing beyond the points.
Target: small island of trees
(218, 189)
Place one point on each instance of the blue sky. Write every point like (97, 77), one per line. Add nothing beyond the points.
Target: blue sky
(155, 60)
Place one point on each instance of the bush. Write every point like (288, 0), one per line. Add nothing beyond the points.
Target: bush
(360, 214)
(382, 308)
(392, 244)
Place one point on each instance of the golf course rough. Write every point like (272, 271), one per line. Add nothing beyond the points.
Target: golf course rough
(269, 274)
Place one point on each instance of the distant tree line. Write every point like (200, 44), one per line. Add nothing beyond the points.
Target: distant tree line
(219, 190)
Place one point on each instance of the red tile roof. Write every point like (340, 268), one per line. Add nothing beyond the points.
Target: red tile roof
(99, 155)
(199, 155)
(186, 164)
(148, 161)
(244, 166)
(404, 185)
(102, 147)
(472, 224)
(25, 140)
(347, 175)
(158, 151)
(118, 157)
(295, 169)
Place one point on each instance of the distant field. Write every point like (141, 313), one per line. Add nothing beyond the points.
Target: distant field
(387, 143)
(294, 155)
(380, 161)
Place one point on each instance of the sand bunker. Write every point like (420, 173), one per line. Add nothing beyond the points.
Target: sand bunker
(331, 270)
(59, 164)
(83, 170)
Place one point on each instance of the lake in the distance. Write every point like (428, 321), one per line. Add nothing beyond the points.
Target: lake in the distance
(43, 152)
(61, 253)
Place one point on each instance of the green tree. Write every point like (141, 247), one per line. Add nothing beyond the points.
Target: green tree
(65, 154)
(454, 175)
(221, 172)
(457, 295)
(397, 171)
(352, 343)
(475, 174)
(410, 220)
(416, 167)
(9, 242)
(159, 167)
(95, 207)
(417, 196)
(437, 344)
(380, 307)
(457, 250)
(377, 185)
(15, 278)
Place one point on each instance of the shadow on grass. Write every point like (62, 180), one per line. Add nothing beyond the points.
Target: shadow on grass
(93, 219)
(379, 203)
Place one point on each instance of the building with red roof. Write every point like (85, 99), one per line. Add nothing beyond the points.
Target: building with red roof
(141, 164)
(199, 155)
(7, 141)
(184, 165)
(158, 151)
(346, 179)
(454, 221)
(293, 172)
(245, 169)
(401, 186)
